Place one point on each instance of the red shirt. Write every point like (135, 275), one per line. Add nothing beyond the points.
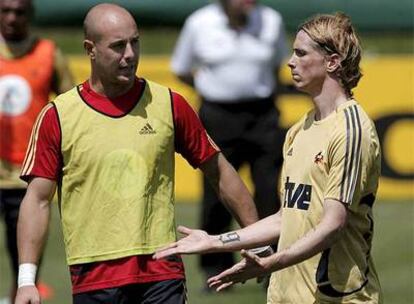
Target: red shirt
(44, 159)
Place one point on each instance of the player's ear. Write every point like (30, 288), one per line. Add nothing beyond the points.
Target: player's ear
(333, 62)
(89, 47)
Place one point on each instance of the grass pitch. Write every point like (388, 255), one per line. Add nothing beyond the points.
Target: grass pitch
(393, 253)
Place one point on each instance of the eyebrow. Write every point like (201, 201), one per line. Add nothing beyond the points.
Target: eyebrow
(299, 49)
(123, 40)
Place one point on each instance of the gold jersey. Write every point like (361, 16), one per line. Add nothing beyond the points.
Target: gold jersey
(334, 158)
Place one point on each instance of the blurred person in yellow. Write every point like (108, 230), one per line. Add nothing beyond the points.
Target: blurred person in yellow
(330, 179)
(231, 51)
(107, 146)
(30, 69)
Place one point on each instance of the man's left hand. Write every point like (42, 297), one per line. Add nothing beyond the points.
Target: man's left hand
(251, 266)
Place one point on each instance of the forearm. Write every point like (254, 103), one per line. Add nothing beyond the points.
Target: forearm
(315, 241)
(262, 233)
(33, 220)
(230, 189)
(235, 196)
(32, 229)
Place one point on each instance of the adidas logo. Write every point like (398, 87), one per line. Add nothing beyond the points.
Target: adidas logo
(290, 152)
(147, 129)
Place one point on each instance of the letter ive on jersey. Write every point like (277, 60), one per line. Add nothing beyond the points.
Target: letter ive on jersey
(297, 195)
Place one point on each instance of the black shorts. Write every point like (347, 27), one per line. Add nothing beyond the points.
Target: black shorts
(163, 292)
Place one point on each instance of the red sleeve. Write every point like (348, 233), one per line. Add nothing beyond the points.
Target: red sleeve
(191, 139)
(43, 157)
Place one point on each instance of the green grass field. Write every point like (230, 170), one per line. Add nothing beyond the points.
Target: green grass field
(393, 253)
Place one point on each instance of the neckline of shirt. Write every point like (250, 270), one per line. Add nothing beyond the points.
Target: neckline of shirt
(333, 114)
(114, 107)
(13, 50)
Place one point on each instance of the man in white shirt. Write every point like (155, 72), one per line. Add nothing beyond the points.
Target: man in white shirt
(230, 52)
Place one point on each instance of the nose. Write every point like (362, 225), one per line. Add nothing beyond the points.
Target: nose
(291, 62)
(11, 17)
(130, 52)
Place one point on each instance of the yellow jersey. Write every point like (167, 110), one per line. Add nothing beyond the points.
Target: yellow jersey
(116, 191)
(337, 158)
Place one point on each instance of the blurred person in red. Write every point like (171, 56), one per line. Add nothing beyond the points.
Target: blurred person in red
(230, 51)
(30, 69)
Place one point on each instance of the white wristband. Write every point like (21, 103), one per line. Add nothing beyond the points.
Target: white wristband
(262, 251)
(27, 275)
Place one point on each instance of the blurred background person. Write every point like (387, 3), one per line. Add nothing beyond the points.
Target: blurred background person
(30, 69)
(230, 52)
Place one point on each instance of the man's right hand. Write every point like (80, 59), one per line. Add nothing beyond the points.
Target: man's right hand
(27, 295)
(195, 241)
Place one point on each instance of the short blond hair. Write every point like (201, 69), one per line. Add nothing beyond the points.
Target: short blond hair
(334, 34)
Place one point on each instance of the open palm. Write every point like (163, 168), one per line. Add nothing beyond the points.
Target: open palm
(195, 241)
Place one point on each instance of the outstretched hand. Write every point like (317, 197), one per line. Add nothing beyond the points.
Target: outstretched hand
(194, 241)
(251, 266)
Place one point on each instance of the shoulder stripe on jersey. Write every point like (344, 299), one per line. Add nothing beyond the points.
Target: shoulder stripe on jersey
(346, 154)
(31, 150)
(358, 152)
(349, 175)
(352, 154)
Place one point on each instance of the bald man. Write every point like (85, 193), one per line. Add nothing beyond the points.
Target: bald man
(30, 69)
(108, 146)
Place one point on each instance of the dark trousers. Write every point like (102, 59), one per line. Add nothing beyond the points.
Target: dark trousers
(10, 200)
(163, 292)
(246, 132)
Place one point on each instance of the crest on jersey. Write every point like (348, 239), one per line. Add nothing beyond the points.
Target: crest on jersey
(319, 157)
(15, 95)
